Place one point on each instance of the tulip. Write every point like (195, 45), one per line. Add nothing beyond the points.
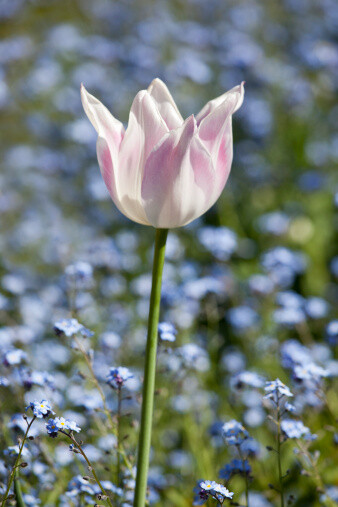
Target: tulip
(162, 170)
(165, 172)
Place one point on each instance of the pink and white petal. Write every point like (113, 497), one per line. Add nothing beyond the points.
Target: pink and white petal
(145, 111)
(215, 132)
(165, 104)
(224, 159)
(107, 168)
(179, 179)
(109, 173)
(103, 121)
(235, 96)
(212, 127)
(145, 129)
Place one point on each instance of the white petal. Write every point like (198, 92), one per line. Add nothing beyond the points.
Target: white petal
(215, 132)
(234, 97)
(103, 121)
(145, 129)
(165, 104)
(179, 179)
(110, 176)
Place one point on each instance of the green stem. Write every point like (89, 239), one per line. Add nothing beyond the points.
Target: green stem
(280, 475)
(119, 441)
(149, 370)
(17, 491)
(90, 466)
(16, 464)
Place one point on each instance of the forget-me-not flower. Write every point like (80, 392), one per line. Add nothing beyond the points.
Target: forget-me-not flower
(40, 410)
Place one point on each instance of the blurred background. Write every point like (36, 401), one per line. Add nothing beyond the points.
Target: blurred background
(286, 144)
(65, 247)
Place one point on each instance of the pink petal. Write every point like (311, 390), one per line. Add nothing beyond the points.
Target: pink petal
(109, 172)
(103, 121)
(145, 129)
(165, 104)
(178, 179)
(111, 136)
(215, 132)
(234, 97)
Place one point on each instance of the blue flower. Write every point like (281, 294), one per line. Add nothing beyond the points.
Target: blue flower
(14, 450)
(167, 331)
(65, 424)
(80, 275)
(234, 432)
(295, 429)
(78, 485)
(289, 316)
(71, 327)
(31, 501)
(332, 332)
(283, 265)
(330, 493)
(223, 492)
(118, 376)
(289, 407)
(247, 378)
(194, 356)
(291, 311)
(292, 353)
(242, 317)
(220, 241)
(310, 181)
(42, 409)
(13, 357)
(72, 426)
(208, 485)
(4, 382)
(108, 486)
(261, 284)
(201, 496)
(258, 500)
(236, 466)
(334, 263)
(52, 428)
(198, 289)
(316, 308)
(309, 371)
(250, 448)
(275, 390)
(216, 490)
(39, 378)
(276, 223)
(18, 423)
(289, 299)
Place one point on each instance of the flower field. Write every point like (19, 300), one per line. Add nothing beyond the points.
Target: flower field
(246, 400)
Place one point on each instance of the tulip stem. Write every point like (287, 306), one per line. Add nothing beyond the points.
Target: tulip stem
(149, 370)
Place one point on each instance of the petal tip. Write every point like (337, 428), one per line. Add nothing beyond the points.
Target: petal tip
(190, 124)
(85, 95)
(155, 82)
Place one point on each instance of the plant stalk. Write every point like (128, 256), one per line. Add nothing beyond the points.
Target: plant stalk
(16, 464)
(150, 370)
(119, 440)
(17, 491)
(279, 458)
(90, 466)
